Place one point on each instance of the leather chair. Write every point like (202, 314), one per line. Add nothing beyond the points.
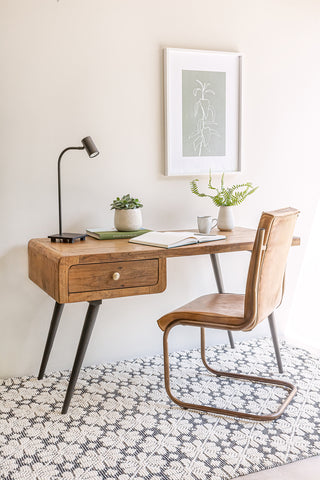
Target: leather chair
(264, 291)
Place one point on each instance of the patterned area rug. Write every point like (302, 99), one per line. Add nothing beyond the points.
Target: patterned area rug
(122, 426)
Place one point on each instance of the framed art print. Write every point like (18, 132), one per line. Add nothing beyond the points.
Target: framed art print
(203, 111)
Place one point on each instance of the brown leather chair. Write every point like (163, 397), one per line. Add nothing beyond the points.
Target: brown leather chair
(264, 291)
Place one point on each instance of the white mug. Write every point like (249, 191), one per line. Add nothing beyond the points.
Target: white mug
(206, 223)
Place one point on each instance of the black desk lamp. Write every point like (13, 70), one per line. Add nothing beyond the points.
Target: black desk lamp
(92, 151)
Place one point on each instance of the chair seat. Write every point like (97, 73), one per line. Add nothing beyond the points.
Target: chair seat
(222, 310)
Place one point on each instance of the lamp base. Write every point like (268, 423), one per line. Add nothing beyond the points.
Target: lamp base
(67, 237)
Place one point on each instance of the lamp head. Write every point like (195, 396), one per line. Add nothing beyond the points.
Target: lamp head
(90, 147)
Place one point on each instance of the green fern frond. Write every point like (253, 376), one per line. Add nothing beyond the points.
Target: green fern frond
(225, 196)
(210, 182)
(195, 189)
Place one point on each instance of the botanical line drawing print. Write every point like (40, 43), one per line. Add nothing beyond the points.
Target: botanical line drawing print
(205, 116)
(203, 113)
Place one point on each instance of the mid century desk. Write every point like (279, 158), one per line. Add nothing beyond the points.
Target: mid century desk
(93, 270)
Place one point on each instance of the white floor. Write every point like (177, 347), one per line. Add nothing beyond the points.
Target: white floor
(308, 469)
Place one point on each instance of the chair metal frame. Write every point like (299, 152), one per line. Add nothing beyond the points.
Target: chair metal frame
(239, 376)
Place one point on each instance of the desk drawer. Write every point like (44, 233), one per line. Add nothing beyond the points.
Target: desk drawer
(113, 275)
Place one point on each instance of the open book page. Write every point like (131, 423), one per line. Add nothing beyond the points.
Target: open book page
(165, 239)
(173, 239)
(208, 238)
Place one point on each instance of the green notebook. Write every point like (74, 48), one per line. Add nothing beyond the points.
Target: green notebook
(102, 234)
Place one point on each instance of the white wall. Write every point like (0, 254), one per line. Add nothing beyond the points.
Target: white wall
(94, 67)
(303, 329)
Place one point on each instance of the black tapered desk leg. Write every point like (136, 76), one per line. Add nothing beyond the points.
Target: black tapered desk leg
(275, 341)
(88, 325)
(57, 312)
(218, 276)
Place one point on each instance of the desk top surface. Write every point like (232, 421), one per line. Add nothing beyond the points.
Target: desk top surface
(92, 250)
(83, 271)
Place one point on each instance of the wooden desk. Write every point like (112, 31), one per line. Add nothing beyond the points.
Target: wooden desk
(93, 270)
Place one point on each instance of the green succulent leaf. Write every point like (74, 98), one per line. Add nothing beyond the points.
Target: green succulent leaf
(125, 203)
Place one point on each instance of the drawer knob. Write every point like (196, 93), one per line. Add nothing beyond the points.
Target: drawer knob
(116, 276)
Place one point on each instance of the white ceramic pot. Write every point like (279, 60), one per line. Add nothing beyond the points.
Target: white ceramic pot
(225, 219)
(128, 220)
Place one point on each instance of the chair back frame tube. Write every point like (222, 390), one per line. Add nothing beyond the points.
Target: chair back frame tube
(252, 320)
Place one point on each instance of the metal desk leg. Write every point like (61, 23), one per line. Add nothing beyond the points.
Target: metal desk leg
(218, 276)
(275, 341)
(57, 312)
(88, 325)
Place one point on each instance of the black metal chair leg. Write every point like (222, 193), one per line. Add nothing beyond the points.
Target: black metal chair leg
(88, 325)
(218, 276)
(275, 341)
(57, 312)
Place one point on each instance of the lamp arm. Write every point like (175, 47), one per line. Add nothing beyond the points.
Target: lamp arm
(59, 182)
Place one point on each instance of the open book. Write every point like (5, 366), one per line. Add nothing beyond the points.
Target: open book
(174, 239)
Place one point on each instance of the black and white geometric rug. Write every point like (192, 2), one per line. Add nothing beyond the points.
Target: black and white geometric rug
(122, 426)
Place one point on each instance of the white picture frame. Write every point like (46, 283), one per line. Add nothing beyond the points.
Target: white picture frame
(202, 111)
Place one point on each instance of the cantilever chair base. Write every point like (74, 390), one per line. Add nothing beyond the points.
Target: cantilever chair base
(220, 411)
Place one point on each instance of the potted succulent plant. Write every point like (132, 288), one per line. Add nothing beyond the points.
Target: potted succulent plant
(127, 213)
(225, 198)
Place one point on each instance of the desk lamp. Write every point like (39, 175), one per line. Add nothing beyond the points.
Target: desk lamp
(92, 151)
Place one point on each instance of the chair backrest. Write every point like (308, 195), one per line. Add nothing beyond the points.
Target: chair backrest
(264, 289)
